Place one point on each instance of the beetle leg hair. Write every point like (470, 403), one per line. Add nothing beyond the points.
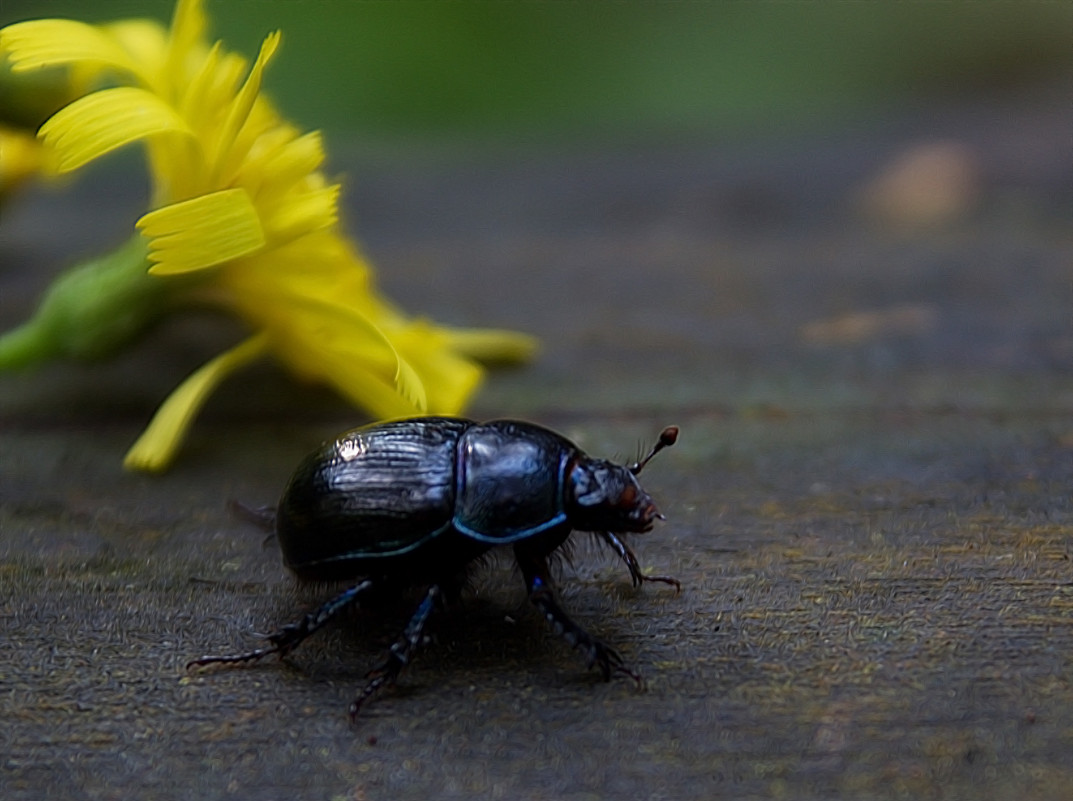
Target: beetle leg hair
(401, 651)
(630, 558)
(538, 582)
(286, 639)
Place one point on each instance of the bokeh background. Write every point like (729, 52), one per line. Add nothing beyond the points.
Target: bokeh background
(522, 70)
(869, 508)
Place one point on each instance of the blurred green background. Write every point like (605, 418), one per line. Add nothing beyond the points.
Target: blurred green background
(510, 68)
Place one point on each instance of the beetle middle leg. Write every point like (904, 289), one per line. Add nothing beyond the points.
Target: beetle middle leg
(630, 558)
(286, 639)
(537, 580)
(401, 651)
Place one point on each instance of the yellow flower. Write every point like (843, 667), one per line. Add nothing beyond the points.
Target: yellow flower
(244, 220)
(25, 102)
(20, 158)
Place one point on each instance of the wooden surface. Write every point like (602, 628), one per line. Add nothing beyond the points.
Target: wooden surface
(869, 507)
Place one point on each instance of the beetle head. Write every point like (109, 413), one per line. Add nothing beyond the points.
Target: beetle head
(603, 496)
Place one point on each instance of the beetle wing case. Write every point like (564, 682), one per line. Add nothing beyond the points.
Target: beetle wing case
(510, 481)
(375, 493)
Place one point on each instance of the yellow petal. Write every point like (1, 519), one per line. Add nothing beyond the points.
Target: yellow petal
(361, 382)
(323, 335)
(215, 75)
(298, 157)
(409, 384)
(321, 329)
(202, 232)
(158, 444)
(449, 379)
(53, 42)
(241, 105)
(188, 24)
(99, 123)
(333, 341)
(275, 167)
(314, 278)
(20, 158)
(369, 390)
(491, 345)
(202, 102)
(145, 41)
(303, 212)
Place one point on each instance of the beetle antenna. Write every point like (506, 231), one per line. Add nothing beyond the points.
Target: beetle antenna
(667, 438)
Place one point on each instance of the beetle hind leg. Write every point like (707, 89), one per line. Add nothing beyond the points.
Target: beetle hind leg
(289, 637)
(401, 651)
(264, 517)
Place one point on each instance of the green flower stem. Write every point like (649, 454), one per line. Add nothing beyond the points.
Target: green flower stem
(91, 311)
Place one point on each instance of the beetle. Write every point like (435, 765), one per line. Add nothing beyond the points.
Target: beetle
(413, 503)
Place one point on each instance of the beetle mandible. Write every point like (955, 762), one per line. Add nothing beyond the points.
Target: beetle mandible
(413, 503)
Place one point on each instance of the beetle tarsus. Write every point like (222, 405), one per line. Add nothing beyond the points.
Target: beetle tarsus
(609, 661)
(630, 558)
(401, 651)
(231, 659)
(289, 637)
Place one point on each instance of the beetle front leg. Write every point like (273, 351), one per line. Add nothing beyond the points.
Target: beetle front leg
(630, 558)
(538, 582)
(289, 637)
(401, 651)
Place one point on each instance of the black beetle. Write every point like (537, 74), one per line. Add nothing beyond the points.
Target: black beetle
(413, 503)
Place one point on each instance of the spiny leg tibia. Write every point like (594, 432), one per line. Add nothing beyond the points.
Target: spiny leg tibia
(537, 581)
(286, 639)
(401, 651)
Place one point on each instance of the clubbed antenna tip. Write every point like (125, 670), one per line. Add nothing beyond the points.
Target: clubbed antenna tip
(667, 437)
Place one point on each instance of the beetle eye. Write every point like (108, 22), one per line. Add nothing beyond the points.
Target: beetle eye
(628, 496)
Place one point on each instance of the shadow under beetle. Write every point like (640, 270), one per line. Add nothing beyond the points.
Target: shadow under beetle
(413, 503)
